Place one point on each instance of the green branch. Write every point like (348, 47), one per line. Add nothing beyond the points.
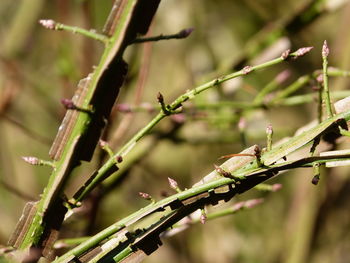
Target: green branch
(107, 169)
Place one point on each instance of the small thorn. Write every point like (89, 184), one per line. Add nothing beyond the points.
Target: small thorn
(302, 51)
(174, 185)
(246, 70)
(325, 49)
(285, 54)
(48, 23)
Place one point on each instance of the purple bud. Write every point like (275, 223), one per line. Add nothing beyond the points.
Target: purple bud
(68, 104)
(185, 32)
(119, 158)
(315, 179)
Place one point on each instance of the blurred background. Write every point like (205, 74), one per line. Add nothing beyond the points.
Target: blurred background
(299, 223)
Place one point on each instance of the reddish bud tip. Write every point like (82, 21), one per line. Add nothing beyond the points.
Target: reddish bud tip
(269, 129)
(123, 107)
(48, 23)
(31, 160)
(173, 184)
(325, 49)
(276, 187)
(253, 202)
(242, 124)
(203, 218)
(283, 76)
(302, 51)
(145, 195)
(246, 70)
(102, 143)
(285, 54)
(178, 118)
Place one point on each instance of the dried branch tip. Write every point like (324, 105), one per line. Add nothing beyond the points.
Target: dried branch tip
(302, 51)
(160, 98)
(48, 23)
(325, 50)
(222, 172)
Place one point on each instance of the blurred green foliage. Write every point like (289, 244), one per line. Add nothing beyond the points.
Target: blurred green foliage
(300, 223)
